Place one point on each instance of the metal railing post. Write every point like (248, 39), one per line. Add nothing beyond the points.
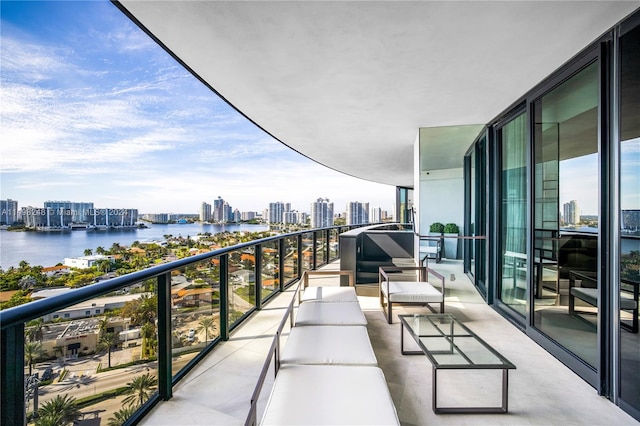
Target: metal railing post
(224, 297)
(12, 364)
(258, 275)
(165, 376)
(281, 254)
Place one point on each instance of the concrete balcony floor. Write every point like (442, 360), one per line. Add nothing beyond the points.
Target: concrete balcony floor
(542, 391)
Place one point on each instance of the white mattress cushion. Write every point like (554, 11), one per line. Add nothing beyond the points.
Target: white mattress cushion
(329, 344)
(412, 291)
(330, 395)
(329, 294)
(330, 313)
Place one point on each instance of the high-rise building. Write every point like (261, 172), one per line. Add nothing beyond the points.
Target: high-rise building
(79, 211)
(248, 216)
(276, 211)
(218, 210)
(9, 211)
(321, 213)
(571, 213)
(375, 215)
(290, 217)
(205, 212)
(357, 213)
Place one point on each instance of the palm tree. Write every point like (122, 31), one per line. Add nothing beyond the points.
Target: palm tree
(108, 341)
(100, 250)
(35, 330)
(32, 351)
(207, 325)
(139, 390)
(121, 416)
(148, 334)
(61, 410)
(88, 252)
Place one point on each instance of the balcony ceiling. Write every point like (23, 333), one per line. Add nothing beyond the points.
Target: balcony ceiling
(349, 83)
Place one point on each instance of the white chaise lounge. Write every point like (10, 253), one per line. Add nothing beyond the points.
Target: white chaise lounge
(330, 395)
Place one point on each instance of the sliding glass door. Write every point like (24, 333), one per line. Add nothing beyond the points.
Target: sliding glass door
(566, 284)
(475, 164)
(629, 371)
(512, 279)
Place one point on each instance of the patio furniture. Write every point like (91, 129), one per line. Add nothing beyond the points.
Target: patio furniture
(450, 345)
(396, 287)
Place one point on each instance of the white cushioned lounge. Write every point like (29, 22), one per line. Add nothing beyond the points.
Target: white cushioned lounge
(329, 294)
(329, 344)
(330, 395)
(330, 313)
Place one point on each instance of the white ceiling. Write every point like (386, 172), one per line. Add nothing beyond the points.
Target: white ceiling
(349, 83)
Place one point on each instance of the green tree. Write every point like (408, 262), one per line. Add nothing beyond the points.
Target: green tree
(35, 330)
(32, 352)
(139, 390)
(88, 252)
(60, 411)
(121, 416)
(208, 326)
(108, 341)
(100, 250)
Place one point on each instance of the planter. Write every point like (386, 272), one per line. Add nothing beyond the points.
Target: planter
(450, 246)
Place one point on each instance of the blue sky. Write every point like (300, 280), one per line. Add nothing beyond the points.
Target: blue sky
(91, 109)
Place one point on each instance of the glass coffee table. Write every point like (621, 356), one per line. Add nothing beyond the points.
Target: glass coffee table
(448, 344)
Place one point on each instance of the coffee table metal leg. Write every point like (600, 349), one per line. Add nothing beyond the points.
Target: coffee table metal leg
(471, 410)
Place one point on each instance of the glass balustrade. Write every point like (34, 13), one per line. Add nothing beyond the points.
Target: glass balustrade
(117, 347)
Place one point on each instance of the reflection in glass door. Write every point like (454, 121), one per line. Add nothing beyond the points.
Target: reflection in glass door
(565, 280)
(512, 141)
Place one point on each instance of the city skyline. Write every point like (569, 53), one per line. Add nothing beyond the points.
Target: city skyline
(92, 109)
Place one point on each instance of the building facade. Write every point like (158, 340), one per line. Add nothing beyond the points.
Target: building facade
(357, 213)
(205, 212)
(321, 213)
(8, 211)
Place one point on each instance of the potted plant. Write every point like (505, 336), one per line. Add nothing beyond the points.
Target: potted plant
(436, 228)
(451, 244)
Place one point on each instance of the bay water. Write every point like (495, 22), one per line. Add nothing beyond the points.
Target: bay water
(50, 248)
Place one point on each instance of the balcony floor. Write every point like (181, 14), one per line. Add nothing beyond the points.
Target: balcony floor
(541, 390)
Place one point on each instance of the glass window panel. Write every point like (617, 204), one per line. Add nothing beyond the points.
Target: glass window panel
(566, 189)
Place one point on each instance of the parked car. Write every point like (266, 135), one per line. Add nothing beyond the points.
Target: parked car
(47, 375)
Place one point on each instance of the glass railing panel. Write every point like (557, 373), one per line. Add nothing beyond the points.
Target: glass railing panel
(269, 269)
(242, 280)
(334, 246)
(307, 251)
(321, 248)
(290, 259)
(99, 356)
(195, 310)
